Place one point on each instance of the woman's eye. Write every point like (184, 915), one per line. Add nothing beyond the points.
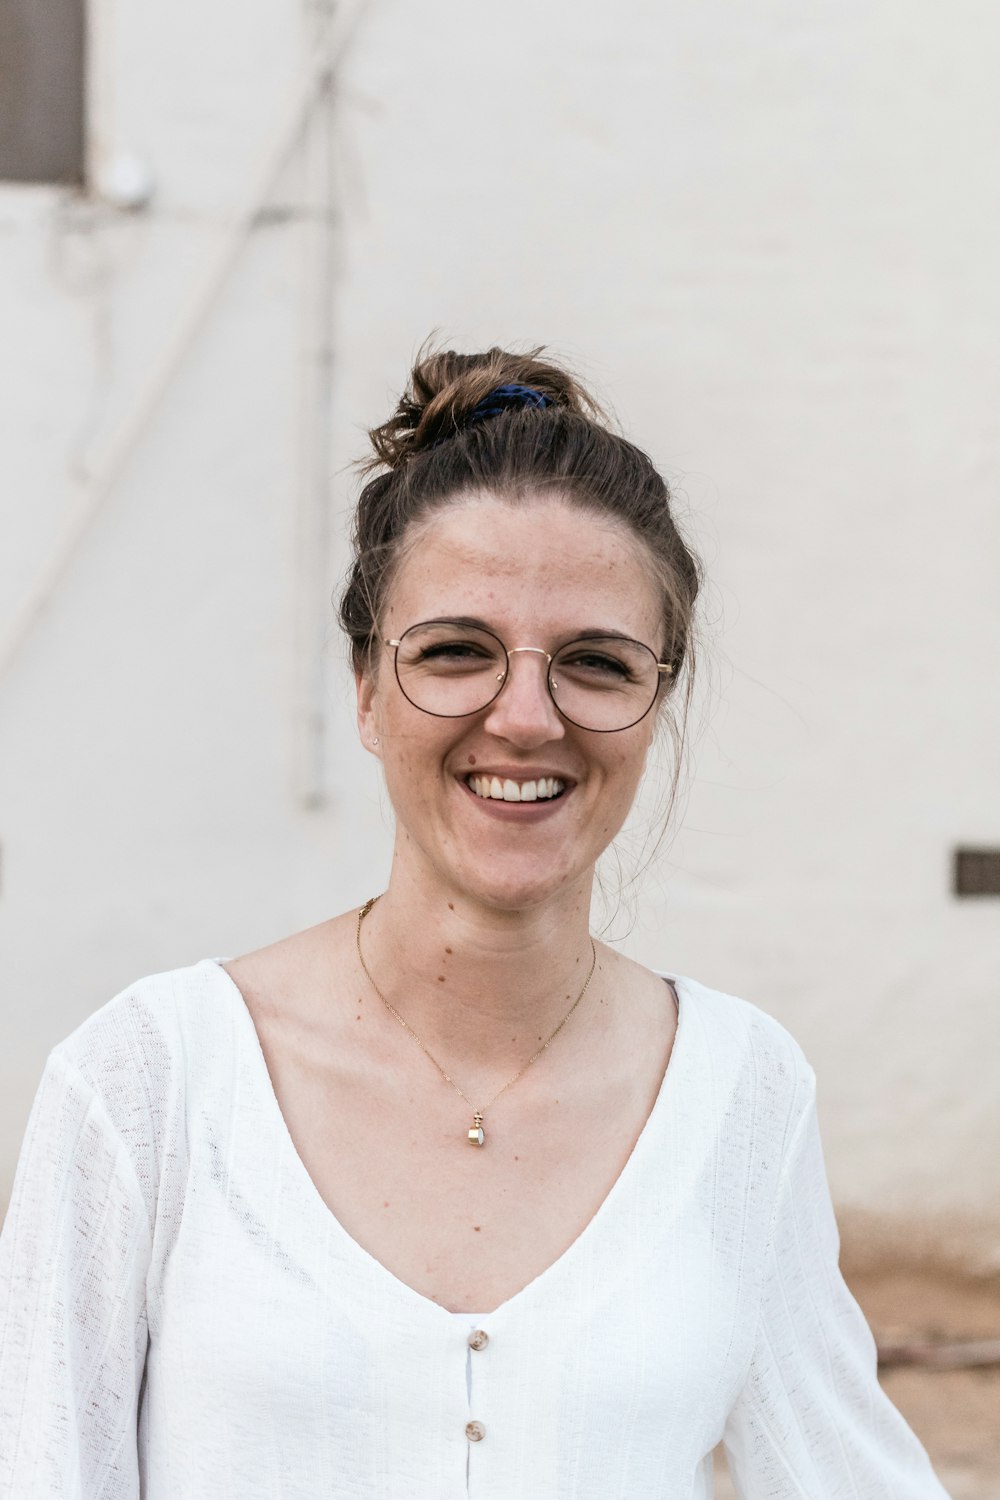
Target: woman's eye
(595, 661)
(454, 651)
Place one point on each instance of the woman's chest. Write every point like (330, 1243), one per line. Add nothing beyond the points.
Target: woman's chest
(617, 1364)
(624, 1310)
(465, 1226)
(613, 1377)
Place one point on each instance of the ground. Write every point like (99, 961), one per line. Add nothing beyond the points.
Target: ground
(955, 1413)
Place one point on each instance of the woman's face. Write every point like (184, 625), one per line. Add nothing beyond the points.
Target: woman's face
(537, 573)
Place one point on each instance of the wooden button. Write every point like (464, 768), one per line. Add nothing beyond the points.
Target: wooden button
(475, 1431)
(478, 1339)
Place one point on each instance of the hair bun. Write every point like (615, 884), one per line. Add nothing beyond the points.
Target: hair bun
(448, 392)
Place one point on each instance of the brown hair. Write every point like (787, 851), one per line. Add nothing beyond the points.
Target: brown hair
(433, 450)
(430, 454)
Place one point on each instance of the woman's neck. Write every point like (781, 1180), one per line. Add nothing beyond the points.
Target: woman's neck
(478, 983)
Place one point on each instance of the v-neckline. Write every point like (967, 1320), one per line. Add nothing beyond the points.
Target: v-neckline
(326, 1216)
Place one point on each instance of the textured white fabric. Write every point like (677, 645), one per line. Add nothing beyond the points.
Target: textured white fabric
(182, 1318)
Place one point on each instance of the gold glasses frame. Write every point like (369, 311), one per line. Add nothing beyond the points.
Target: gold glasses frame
(663, 669)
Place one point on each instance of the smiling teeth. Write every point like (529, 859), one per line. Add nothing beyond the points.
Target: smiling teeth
(516, 791)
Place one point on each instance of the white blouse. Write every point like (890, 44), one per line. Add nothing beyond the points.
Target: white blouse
(183, 1318)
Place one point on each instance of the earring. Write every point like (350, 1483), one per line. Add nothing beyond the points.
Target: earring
(375, 740)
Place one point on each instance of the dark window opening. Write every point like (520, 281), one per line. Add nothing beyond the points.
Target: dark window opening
(977, 872)
(41, 91)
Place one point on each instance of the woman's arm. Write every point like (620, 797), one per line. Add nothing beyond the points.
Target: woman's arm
(73, 1258)
(812, 1422)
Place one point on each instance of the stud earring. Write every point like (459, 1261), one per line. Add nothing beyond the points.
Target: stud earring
(375, 740)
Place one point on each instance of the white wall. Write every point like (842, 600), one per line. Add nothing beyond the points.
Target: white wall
(764, 232)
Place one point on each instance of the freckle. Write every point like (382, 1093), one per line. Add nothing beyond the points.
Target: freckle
(357, 1018)
(440, 979)
(447, 950)
(451, 906)
(477, 1227)
(517, 1158)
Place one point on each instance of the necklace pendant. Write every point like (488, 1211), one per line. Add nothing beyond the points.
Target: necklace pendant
(477, 1135)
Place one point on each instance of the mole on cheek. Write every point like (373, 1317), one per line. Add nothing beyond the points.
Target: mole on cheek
(472, 760)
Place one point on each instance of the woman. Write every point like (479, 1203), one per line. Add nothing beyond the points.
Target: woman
(442, 1197)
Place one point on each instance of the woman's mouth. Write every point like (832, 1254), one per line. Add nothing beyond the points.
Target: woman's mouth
(505, 789)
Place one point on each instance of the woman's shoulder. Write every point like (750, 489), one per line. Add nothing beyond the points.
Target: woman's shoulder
(734, 1039)
(121, 1082)
(148, 1033)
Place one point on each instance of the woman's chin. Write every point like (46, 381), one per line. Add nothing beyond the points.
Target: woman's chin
(515, 890)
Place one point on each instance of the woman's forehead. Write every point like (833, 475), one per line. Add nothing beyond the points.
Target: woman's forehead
(541, 558)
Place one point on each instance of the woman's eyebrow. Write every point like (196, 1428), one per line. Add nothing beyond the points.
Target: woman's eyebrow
(585, 633)
(601, 632)
(472, 620)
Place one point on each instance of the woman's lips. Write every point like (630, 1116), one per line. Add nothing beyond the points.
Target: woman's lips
(518, 812)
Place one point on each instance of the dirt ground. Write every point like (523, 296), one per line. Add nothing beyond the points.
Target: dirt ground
(955, 1413)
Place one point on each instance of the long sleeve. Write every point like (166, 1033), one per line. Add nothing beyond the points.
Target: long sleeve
(73, 1259)
(811, 1420)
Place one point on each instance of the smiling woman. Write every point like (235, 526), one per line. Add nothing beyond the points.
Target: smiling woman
(459, 710)
(249, 1250)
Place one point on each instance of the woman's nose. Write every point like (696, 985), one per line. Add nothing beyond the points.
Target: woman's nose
(523, 711)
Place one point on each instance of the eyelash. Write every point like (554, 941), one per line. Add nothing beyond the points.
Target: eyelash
(450, 648)
(602, 661)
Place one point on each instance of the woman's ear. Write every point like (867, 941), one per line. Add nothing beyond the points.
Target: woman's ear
(369, 711)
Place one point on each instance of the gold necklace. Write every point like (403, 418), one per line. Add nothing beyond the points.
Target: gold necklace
(476, 1135)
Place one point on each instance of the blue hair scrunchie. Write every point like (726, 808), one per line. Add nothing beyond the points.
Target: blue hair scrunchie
(506, 398)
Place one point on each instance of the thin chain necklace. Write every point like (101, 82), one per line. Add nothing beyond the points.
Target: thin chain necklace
(477, 1135)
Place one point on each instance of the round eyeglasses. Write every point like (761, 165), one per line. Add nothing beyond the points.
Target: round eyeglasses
(600, 682)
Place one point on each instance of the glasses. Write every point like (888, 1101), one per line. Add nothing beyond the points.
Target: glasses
(599, 682)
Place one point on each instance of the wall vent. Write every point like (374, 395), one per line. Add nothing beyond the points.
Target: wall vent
(977, 872)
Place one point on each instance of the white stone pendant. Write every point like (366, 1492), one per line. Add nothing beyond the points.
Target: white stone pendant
(477, 1136)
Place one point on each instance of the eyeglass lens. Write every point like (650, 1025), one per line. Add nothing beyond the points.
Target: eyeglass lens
(600, 683)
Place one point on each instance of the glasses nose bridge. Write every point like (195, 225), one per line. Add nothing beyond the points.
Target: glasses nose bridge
(513, 650)
(534, 650)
